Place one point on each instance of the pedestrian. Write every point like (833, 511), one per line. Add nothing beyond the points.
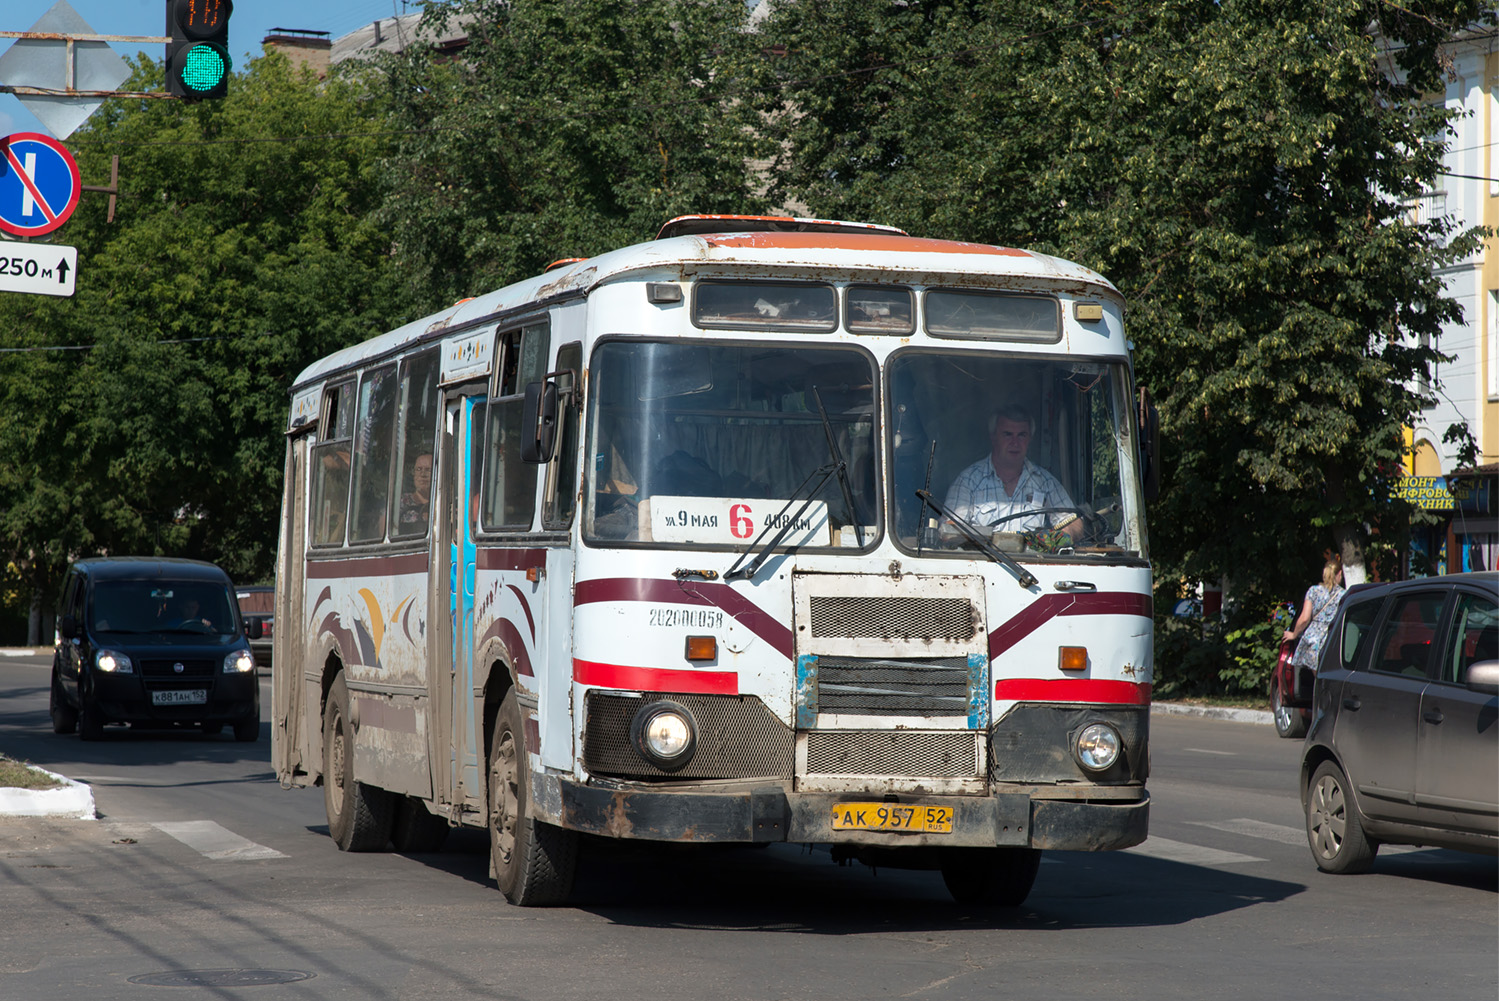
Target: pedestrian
(1317, 611)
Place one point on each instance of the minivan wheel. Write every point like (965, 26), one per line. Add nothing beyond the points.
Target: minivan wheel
(1333, 828)
(1288, 721)
(248, 729)
(64, 716)
(90, 721)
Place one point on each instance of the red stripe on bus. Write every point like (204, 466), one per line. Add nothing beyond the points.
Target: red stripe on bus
(721, 596)
(1072, 690)
(655, 679)
(1049, 606)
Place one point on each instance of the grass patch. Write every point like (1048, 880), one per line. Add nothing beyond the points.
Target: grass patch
(16, 775)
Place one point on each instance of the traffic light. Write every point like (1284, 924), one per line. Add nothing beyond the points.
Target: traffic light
(198, 55)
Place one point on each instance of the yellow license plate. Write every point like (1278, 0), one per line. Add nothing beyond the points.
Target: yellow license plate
(892, 817)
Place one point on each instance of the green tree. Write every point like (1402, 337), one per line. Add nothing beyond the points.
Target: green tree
(565, 129)
(244, 246)
(1239, 169)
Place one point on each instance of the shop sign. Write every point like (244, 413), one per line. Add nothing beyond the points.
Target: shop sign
(1429, 493)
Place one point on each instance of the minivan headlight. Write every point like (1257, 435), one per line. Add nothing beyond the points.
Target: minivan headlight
(239, 662)
(113, 662)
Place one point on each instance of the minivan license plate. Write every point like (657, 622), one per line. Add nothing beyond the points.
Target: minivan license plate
(892, 817)
(183, 697)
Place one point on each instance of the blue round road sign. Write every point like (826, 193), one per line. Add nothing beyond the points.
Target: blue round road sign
(39, 185)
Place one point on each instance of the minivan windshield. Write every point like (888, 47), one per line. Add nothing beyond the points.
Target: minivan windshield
(161, 606)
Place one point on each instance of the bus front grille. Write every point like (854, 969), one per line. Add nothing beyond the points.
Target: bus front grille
(867, 686)
(887, 616)
(902, 753)
(737, 737)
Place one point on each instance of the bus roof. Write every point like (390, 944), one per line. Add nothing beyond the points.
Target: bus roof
(835, 250)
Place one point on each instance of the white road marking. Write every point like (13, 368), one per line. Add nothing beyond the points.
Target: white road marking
(215, 842)
(1204, 750)
(1285, 835)
(1180, 851)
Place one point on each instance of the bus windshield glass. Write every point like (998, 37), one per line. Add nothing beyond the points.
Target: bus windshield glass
(706, 443)
(1039, 455)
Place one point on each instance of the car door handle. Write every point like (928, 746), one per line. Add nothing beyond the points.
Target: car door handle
(1433, 716)
(1352, 702)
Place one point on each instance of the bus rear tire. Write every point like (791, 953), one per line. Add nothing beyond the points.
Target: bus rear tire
(359, 815)
(417, 829)
(534, 862)
(998, 877)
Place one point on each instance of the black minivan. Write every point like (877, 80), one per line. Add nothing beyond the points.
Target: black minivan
(153, 643)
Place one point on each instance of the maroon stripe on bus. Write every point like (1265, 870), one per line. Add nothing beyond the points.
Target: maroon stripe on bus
(1049, 606)
(655, 679)
(368, 566)
(504, 630)
(510, 559)
(721, 596)
(525, 606)
(1091, 690)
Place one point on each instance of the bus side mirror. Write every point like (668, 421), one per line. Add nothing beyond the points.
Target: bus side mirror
(539, 422)
(1150, 446)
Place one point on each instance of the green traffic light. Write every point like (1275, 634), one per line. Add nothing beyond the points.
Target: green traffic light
(203, 68)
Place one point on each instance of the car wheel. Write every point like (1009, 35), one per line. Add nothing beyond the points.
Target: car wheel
(64, 716)
(417, 829)
(1333, 828)
(1001, 877)
(1288, 721)
(90, 720)
(248, 729)
(213, 729)
(358, 814)
(534, 862)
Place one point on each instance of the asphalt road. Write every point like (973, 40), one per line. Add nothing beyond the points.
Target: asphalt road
(202, 873)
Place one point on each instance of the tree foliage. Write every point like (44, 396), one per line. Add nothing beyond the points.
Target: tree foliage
(239, 253)
(1241, 170)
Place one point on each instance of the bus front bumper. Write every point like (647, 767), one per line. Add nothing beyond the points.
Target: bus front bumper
(771, 813)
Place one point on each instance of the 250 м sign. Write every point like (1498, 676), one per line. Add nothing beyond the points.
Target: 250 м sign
(39, 268)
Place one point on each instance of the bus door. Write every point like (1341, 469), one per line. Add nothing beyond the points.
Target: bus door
(457, 778)
(289, 748)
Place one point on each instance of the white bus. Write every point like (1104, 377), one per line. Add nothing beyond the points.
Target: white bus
(767, 530)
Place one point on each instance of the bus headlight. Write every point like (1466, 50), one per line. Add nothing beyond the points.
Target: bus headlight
(665, 734)
(1097, 747)
(239, 662)
(111, 662)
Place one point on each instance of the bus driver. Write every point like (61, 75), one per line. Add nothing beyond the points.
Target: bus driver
(997, 490)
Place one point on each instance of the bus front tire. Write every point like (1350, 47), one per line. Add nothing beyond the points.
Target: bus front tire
(998, 877)
(534, 862)
(417, 829)
(359, 815)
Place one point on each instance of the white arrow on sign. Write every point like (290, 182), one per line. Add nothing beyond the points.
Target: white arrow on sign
(38, 268)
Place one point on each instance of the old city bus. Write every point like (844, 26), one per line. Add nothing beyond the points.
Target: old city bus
(766, 530)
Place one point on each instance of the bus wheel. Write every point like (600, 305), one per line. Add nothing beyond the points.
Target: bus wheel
(358, 814)
(533, 861)
(998, 876)
(416, 828)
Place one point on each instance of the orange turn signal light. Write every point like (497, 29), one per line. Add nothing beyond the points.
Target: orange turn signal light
(702, 648)
(1074, 658)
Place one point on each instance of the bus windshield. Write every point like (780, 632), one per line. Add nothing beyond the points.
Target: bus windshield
(706, 443)
(1037, 454)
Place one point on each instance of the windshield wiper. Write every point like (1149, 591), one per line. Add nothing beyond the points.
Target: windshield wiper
(787, 524)
(1020, 573)
(841, 467)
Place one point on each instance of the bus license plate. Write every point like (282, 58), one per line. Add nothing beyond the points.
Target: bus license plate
(186, 697)
(892, 817)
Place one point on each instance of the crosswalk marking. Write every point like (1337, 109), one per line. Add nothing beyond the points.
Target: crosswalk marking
(1285, 835)
(1180, 851)
(215, 842)
(1204, 750)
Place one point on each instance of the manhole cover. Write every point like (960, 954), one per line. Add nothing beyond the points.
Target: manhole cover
(220, 978)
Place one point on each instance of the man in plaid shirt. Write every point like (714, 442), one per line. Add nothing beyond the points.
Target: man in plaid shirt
(1006, 483)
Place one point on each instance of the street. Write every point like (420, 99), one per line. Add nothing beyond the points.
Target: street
(202, 874)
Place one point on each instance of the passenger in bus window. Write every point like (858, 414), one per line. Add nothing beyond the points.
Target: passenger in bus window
(1006, 491)
(416, 502)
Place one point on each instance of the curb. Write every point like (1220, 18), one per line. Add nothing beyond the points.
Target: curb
(1213, 712)
(72, 800)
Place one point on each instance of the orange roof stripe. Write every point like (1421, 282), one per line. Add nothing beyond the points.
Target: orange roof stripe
(854, 240)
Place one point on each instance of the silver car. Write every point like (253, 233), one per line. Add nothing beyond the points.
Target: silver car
(1403, 746)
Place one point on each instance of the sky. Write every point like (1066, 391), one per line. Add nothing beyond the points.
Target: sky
(251, 21)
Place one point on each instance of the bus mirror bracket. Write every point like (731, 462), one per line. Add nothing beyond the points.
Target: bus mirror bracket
(539, 422)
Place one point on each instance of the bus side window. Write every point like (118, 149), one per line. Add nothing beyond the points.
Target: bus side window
(330, 465)
(411, 501)
(563, 486)
(373, 435)
(510, 483)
